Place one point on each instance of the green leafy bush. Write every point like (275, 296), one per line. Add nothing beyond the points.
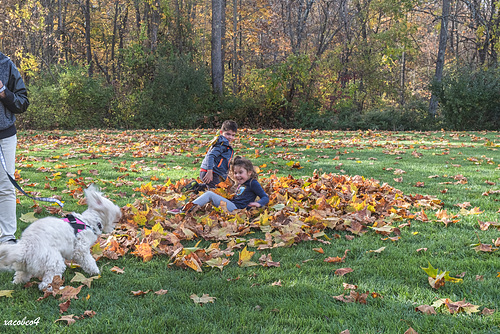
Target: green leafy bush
(179, 96)
(470, 98)
(68, 101)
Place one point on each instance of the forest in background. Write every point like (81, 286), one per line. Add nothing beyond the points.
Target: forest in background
(323, 64)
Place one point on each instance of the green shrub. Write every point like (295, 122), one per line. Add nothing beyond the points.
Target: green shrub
(179, 96)
(470, 98)
(72, 101)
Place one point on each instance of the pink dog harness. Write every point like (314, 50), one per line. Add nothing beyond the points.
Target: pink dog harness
(76, 223)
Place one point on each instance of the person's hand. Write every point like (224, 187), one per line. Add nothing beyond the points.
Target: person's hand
(254, 204)
(2, 94)
(209, 176)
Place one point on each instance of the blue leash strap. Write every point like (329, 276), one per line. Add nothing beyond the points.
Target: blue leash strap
(18, 187)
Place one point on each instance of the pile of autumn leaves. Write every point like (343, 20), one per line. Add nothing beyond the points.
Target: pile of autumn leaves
(298, 210)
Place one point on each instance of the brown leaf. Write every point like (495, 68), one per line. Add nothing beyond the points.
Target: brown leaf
(349, 286)
(140, 292)
(69, 292)
(161, 292)
(343, 271)
(487, 311)
(117, 270)
(426, 309)
(69, 318)
(411, 331)
(89, 314)
(63, 307)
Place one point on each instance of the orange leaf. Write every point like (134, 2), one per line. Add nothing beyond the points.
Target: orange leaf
(144, 250)
(319, 250)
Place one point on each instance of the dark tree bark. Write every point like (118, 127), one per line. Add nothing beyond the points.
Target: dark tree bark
(216, 53)
(443, 38)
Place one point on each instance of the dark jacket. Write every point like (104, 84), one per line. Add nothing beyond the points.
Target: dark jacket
(218, 157)
(248, 192)
(16, 96)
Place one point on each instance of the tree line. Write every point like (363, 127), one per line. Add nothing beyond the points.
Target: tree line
(306, 63)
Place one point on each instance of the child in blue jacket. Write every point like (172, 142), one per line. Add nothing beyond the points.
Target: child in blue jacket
(246, 193)
(215, 165)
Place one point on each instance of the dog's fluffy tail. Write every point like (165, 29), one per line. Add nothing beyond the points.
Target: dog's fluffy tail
(9, 255)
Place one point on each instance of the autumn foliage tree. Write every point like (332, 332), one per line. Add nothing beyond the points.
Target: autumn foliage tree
(311, 59)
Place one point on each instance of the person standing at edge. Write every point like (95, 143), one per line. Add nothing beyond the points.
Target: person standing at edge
(13, 100)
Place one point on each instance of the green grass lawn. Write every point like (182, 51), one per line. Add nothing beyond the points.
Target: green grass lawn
(296, 297)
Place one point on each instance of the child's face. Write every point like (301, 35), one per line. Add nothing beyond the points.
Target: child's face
(240, 174)
(229, 135)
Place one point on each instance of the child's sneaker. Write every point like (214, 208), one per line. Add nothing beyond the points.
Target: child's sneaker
(192, 186)
(175, 211)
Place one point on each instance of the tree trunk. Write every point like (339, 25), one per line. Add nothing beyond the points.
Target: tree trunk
(217, 62)
(86, 13)
(443, 38)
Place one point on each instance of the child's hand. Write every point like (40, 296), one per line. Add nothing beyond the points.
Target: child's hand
(254, 204)
(209, 176)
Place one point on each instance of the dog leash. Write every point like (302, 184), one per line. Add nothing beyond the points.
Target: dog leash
(18, 187)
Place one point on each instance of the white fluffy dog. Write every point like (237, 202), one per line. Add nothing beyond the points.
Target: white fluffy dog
(47, 242)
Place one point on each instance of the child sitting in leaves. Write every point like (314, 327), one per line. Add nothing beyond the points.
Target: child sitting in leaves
(247, 191)
(215, 165)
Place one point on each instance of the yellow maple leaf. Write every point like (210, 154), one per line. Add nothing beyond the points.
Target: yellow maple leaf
(244, 258)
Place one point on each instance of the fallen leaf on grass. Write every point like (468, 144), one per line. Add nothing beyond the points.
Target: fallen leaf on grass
(144, 250)
(437, 278)
(140, 292)
(474, 211)
(203, 299)
(380, 250)
(463, 205)
(218, 263)
(422, 249)
(343, 271)
(63, 307)
(244, 258)
(411, 331)
(319, 250)
(69, 292)
(483, 226)
(353, 297)
(28, 217)
(278, 283)
(267, 261)
(349, 286)
(426, 309)
(80, 278)
(161, 292)
(117, 270)
(68, 318)
(456, 307)
(6, 293)
(485, 248)
(487, 311)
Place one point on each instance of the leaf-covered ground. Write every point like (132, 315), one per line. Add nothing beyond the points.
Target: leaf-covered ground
(368, 212)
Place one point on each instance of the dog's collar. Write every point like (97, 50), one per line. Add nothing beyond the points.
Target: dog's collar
(77, 224)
